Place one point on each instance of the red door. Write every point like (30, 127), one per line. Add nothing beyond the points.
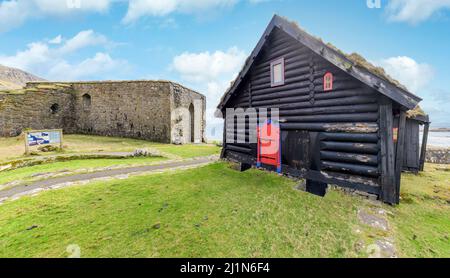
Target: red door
(269, 145)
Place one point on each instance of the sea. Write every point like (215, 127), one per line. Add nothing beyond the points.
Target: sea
(438, 139)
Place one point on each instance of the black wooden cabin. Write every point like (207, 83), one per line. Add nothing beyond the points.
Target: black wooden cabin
(338, 118)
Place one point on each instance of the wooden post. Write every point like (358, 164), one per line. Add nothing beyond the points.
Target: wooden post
(423, 151)
(399, 154)
(387, 152)
(61, 139)
(224, 136)
(27, 148)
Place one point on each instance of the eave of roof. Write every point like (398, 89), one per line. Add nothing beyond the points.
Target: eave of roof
(337, 58)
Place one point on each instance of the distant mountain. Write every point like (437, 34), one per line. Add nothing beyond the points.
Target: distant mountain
(11, 78)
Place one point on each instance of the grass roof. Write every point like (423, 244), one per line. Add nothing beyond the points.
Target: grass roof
(418, 111)
(358, 60)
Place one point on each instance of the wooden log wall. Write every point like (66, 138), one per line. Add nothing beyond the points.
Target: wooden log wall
(346, 118)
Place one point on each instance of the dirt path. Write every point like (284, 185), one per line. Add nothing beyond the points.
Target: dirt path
(53, 182)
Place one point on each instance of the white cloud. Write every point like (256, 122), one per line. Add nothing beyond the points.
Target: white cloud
(100, 63)
(415, 11)
(61, 7)
(206, 66)
(13, 13)
(140, 8)
(52, 61)
(83, 39)
(415, 76)
(56, 40)
(210, 73)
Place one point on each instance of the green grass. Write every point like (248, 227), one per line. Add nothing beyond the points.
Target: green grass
(422, 220)
(189, 151)
(207, 212)
(28, 174)
(217, 212)
(13, 148)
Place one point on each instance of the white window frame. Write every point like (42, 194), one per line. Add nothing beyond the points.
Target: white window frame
(274, 63)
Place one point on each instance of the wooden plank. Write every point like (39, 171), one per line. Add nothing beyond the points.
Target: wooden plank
(399, 155)
(355, 158)
(224, 138)
(387, 152)
(348, 181)
(424, 146)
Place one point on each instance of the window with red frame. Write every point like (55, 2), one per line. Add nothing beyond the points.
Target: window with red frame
(328, 82)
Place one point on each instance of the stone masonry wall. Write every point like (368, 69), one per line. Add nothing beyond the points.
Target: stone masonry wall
(438, 155)
(151, 110)
(32, 110)
(124, 109)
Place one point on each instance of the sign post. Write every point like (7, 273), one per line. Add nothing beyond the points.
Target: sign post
(43, 137)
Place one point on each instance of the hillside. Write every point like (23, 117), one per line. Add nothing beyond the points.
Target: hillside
(11, 78)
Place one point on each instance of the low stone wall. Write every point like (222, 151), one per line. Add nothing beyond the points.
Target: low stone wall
(438, 156)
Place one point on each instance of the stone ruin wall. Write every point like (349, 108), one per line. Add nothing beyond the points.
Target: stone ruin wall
(124, 109)
(182, 118)
(132, 109)
(25, 110)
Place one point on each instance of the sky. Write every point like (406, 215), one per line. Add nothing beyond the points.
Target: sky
(203, 44)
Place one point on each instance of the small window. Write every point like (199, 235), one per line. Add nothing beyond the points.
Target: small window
(87, 101)
(277, 72)
(54, 108)
(328, 82)
(395, 134)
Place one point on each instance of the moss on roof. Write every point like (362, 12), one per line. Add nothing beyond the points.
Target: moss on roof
(418, 111)
(379, 71)
(356, 58)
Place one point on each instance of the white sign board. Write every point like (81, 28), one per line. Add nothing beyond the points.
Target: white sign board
(42, 137)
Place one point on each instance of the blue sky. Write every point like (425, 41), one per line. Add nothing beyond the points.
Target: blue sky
(203, 43)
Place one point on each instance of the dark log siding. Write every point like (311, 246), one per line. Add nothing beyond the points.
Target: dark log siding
(411, 159)
(343, 123)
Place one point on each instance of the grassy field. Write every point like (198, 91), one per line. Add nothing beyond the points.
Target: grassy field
(13, 148)
(205, 212)
(422, 220)
(217, 212)
(38, 172)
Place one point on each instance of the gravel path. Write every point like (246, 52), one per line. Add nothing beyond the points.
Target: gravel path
(49, 183)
